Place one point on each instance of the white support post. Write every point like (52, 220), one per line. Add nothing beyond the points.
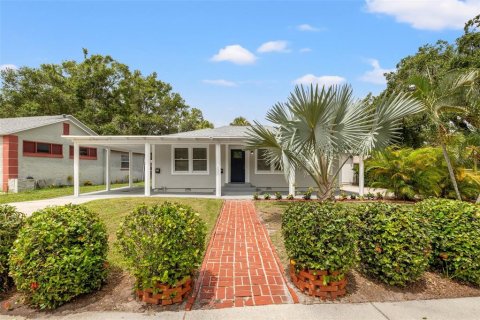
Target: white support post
(130, 169)
(247, 166)
(218, 171)
(154, 181)
(361, 176)
(291, 183)
(76, 169)
(147, 169)
(107, 169)
(227, 163)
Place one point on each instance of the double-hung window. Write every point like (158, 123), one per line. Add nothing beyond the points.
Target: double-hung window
(124, 161)
(263, 165)
(190, 160)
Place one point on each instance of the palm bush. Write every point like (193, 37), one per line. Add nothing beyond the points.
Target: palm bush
(317, 125)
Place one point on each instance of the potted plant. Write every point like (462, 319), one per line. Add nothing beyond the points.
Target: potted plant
(321, 242)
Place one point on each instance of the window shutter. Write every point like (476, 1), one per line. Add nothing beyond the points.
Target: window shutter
(93, 152)
(29, 146)
(66, 129)
(57, 149)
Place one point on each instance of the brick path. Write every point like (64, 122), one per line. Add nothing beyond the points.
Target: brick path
(240, 267)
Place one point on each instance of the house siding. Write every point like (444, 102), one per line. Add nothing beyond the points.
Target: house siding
(1, 164)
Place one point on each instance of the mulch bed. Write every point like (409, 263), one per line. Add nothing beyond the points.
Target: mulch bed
(361, 288)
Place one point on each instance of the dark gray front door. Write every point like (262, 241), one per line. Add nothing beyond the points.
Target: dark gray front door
(237, 157)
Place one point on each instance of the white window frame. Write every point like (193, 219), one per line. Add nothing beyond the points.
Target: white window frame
(272, 166)
(190, 159)
(122, 155)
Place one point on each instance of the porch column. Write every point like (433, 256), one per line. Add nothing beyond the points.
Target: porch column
(130, 169)
(361, 175)
(291, 182)
(227, 163)
(76, 169)
(154, 181)
(218, 171)
(107, 169)
(247, 166)
(147, 169)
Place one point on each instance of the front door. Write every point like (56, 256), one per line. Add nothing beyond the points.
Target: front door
(237, 157)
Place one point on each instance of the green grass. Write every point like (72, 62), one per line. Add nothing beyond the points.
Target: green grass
(112, 212)
(48, 193)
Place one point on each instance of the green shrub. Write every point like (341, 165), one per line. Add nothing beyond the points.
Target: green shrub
(320, 236)
(290, 197)
(278, 196)
(307, 195)
(59, 254)
(455, 231)
(162, 243)
(10, 223)
(266, 196)
(394, 244)
(255, 196)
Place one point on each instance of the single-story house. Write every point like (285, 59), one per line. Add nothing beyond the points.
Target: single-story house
(36, 150)
(205, 161)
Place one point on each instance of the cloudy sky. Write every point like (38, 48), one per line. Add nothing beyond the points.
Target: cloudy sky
(232, 58)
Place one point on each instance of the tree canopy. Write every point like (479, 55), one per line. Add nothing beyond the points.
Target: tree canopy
(101, 92)
(240, 121)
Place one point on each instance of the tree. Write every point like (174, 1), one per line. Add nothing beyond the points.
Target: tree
(441, 97)
(240, 121)
(101, 92)
(317, 125)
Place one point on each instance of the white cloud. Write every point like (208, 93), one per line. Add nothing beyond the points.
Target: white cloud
(274, 46)
(307, 27)
(305, 50)
(376, 75)
(320, 80)
(8, 66)
(220, 82)
(236, 54)
(427, 14)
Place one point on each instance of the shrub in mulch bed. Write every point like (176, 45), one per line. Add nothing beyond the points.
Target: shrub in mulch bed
(394, 244)
(454, 227)
(10, 223)
(59, 254)
(163, 245)
(321, 241)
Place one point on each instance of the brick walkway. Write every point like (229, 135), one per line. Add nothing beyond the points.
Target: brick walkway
(240, 267)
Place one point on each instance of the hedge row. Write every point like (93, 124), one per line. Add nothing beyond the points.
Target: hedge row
(393, 243)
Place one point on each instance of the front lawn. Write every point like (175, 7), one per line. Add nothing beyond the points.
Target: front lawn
(112, 212)
(54, 192)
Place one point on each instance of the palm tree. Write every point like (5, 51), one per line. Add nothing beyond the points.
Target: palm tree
(317, 125)
(240, 121)
(447, 95)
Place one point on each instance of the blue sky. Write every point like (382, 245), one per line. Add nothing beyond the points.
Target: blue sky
(232, 58)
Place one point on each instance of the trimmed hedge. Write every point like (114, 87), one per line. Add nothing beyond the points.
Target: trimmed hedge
(10, 223)
(455, 231)
(394, 245)
(320, 236)
(59, 254)
(162, 243)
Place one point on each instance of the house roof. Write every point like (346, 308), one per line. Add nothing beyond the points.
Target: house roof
(220, 132)
(14, 125)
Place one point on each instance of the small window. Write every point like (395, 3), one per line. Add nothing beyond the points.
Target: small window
(125, 162)
(66, 129)
(264, 165)
(199, 159)
(42, 149)
(181, 159)
(86, 153)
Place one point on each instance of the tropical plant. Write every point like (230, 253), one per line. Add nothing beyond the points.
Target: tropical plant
(266, 196)
(240, 121)
(162, 243)
(317, 125)
(10, 223)
(60, 253)
(394, 244)
(290, 197)
(321, 236)
(454, 227)
(256, 196)
(278, 196)
(445, 95)
(307, 195)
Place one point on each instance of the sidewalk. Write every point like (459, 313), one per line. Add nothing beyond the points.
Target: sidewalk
(446, 309)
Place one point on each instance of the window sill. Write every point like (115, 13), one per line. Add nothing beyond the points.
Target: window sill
(189, 173)
(268, 172)
(42, 155)
(86, 158)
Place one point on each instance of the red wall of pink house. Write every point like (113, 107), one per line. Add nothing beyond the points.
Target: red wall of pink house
(10, 159)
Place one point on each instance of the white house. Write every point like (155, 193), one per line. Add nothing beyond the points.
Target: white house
(37, 150)
(204, 161)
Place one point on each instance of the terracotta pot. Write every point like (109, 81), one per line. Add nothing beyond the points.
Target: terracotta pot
(165, 294)
(319, 283)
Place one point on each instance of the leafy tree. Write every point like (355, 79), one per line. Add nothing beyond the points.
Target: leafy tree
(240, 121)
(441, 97)
(101, 92)
(317, 125)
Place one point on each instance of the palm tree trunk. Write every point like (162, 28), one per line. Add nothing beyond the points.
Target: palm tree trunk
(450, 171)
(478, 199)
